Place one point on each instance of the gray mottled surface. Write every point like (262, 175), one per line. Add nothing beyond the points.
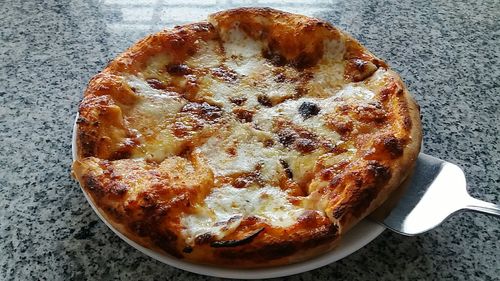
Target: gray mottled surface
(446, 51)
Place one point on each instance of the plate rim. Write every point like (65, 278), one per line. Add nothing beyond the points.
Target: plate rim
(360, 235)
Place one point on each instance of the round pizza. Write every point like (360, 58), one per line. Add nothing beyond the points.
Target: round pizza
(255, 138)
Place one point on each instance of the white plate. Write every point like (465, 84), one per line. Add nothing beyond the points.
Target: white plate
(362, 234)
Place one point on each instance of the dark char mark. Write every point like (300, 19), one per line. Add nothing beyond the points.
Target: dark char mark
(203, 110)
(286, 167)
(156, 84)
(274, 58)
(238, 100)
(235, 243)
(178, 69)
(308, 109)
(264, 100)
(187, 249)
(225, 74)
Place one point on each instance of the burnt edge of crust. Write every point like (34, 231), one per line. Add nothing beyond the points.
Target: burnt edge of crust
(234, 243)
(367, 185)
(282, 248)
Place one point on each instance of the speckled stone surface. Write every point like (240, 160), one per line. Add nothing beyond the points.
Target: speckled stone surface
(448, 53)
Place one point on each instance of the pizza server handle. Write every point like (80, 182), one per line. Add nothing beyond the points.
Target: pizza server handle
(483, 207)
(436, 190)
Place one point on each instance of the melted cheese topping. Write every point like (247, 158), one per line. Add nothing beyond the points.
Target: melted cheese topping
(238, 44)
(154, 104)
(208, 55)
(224, 208)
(250, 152)
(238, 146)
(150, 117)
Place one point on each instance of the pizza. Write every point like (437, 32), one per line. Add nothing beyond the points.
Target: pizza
(255, 138)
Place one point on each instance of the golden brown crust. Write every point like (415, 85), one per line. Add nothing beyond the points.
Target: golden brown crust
(141, 167)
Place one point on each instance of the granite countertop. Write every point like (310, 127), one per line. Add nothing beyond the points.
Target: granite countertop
(446, 51)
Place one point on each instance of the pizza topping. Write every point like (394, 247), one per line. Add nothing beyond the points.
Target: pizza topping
(308, 109)
(386, 145)
(264, 100)
(274, 58)
(287, 137)
(156, 84)
(306, 145)
(249, 152)
(341, 125)
(203, 111)
(235, 243)
(243, 114)
(225, 74)
(248, 179)
(267, 203)
(178, 69)
(187, 249)
(237, 44)
(285, 165)
(238, 100)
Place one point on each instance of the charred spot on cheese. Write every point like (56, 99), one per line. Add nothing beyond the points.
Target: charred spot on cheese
(306, 60)
(305, 145)
(287, 136)
(264, 100)
(125, 148)
(243, 114)
(238, 100)
(343, 126)
(380, 172)
(310, 218)
(179, 129)
(156, 84)
(91, 182)
(372, 112)
(268, 142)
(308, 109)
(178, 69)
(246, 180)
(286, 167)
(274, 58)
(280, 77)
(203, 110)
(298, 138)
(327, 174)
(225, 74)
(123, 152)
(111, 188)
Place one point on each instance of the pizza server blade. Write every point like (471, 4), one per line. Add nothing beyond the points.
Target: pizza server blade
(436, 190)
